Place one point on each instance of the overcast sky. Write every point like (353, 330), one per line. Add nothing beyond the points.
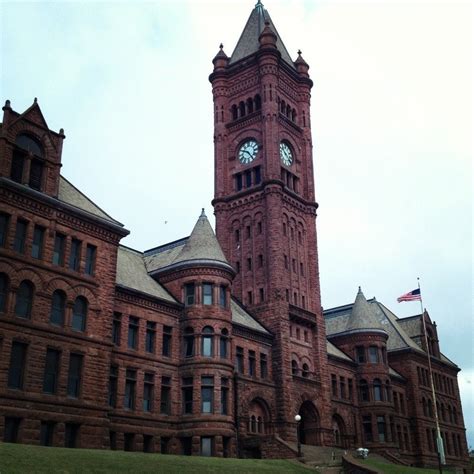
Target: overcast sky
(391, 122)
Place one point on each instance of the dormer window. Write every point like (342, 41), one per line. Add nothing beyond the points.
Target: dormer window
(28, 148)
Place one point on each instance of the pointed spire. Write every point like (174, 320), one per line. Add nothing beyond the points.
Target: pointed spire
(202, 244)
(267, 38)
(362, 314)
(221, 59)
(248, 43)
(301, 65)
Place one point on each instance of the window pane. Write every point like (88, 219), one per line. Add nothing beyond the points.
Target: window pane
(58, 308)
(4, 219)
(91, 251)
(206, 446)
(74, 375)
(58, 254)
(37, 246)
(24, 300)
(79, 314)
(75, 255)
(51, 370)
(20, 236)
(36, 174)
(3, 292)
(17, 365)
(207, 293)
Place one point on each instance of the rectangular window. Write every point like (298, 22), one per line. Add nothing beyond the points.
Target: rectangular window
(206, 446)
(113, 382)
(249, 263)
(189, 294)
(260, 261)
(342, 386)
(238, 182)
(58, 253)
(47, 433)
(367, 428)
(4, 220)
(165, 396)
(301, 269)
(286, 261)
(16, 372)
(263, 366)
(74, 375)
(116, 328)
(91, 251)
(249, 297)
(248, 179)
(224, 396)
(381, 428)
(252, 363)
(351, 392)
(237, 235)
(51, 371)
(130, 389)
(71, 435)
(20, 236)
(187, 389)
(240, 360)
(150, 337)
(237, 267)
(75, 255)
(223, 344)
(12, 429)
(373, 355)
(223, 296)
(360, 354)
(38, 239)
(207, 394)
(129, 441)
(148, 390)
(133, 324)
(207, 293)
(36, 174)
(261, 295)
(334, 385)
(293, 264)
(258, 175)
(166, 347)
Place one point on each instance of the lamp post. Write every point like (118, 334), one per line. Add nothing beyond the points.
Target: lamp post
(298, 440)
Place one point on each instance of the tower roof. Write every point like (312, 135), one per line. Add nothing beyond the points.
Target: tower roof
(202, 244)
(362, 315)
(248, 42)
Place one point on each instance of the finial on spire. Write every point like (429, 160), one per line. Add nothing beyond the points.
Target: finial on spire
(221, 46)
(299, 52)
(203, 214)
(36, 100)
(7, 103)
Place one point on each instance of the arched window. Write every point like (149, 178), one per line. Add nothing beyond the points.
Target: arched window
(223, 343)
(258, 102)
(241, 109)
(235, 114)
(24, 300)
(207, 342)
(305, 371)
(79, 314)
(425, 408)
(378, 397)
(58, 308)
(293, 115)
(249, 105)
(260, 424)
(388, 391)
(294, 367)
(26, 145)
(282, 106)
(3, 292)
(364, 391)
(288, 111)
(188, 342)
(253, 424)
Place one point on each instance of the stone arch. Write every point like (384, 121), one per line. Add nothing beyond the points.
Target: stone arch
(309, 430)
(339, 430)
(81, 290)
(259, 417)
(59, 284)
(27, 274)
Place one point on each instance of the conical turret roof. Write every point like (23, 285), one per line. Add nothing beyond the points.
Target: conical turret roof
(362, 315)
(248, 42)
(202, 244)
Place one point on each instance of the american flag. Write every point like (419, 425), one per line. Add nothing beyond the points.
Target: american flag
(414, 295)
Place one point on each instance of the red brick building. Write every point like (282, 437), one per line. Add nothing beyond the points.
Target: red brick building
(213, 343)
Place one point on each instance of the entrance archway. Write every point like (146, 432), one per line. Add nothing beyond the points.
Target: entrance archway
(308, 429)
(339, 431)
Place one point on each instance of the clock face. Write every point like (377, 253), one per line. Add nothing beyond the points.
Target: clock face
(285, 154)
(248, 152)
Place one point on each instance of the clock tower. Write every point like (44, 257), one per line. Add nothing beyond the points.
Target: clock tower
(265, 202)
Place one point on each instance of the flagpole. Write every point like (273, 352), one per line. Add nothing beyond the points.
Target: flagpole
(439, 440)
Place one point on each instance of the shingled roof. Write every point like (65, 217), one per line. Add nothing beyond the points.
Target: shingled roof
(248, 42)
(362, 315)
(69, 194)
